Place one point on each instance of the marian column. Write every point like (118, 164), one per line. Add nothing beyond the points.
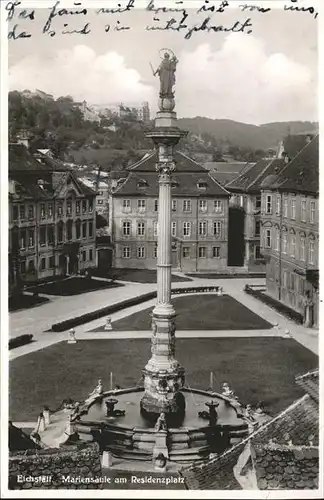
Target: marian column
(163, 375)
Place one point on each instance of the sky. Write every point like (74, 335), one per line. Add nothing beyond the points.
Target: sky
(269, 75)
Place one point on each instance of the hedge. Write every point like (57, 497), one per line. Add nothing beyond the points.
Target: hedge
(275, 304)
(20, 340)
(99, 313)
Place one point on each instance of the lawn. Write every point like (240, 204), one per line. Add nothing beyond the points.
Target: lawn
(25, 301)
(72, 286)
(211, 313)
(257, 369)
(141, 275)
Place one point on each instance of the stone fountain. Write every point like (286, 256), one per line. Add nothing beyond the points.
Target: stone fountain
(163, 419)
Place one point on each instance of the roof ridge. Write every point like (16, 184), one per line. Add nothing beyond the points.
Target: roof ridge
(270, 161)
(147, 156)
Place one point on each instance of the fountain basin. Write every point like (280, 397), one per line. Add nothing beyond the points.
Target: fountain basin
(132, 436)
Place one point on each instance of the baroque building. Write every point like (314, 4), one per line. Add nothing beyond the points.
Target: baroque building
(199, 217)
(289, 238)
(52, 224)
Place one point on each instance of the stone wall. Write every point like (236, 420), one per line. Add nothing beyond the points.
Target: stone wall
(69, 467)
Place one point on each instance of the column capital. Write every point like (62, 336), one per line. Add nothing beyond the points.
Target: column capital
(165, 168)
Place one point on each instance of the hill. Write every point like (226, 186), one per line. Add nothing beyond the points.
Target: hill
(230, 132)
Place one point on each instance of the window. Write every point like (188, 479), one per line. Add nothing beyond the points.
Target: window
(293, 246)
(155, 251)
(50, 210)
(100, 202)
(217, 227)
(59, 209)
(267, 238)
(141, 228)
(201, 185)
(69, 207)
(257, 228)
(31, 265)
(311, 252)
(78, 229)
(15, 212)
(218, 206)
(292, 281)
(30, 212)
(241, 200)
(285, 279)
(202, 228)
(303, 211)
(60, 232)
(174, 228)
(285, 206)
(186, 228)
(126, 252)
(174, 205)
(216, 252)
(187, 205)
(22, 213)
(155, 228)
(258, 252)
(186, 252)
(84, 255)
(42, 236)
(50, 235)
(203, 205)
(141, 252)
(258, 202)
(43, 263)
(23, 238)
(126, 228)
(202, 252)
(23, 267)
(90, 230)
(90, 254)
(69, 230)
(84, 229)
(312, 212)
(100, 193)
(84, 206)
(141, 204)
(293, 209)
(278, 203)
(31, 238)
(269, 204)
(284, 242)
(51, 262)
(277, 240)
(91, 208)
(156, 205)
(302, 249)
(77, 207)
(126, 207)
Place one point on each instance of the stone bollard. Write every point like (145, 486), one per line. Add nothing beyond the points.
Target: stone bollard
(108, 325)
(46, 414)
(220, 291)
(69, 429)
(106, 460)
(72, 339)
(288, 334)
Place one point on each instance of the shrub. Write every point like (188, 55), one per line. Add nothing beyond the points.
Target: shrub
(19, 341)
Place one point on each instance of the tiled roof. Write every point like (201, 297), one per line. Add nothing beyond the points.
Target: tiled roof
(223, 166)
(286, 467)
(302, 173)
(183, 163)
(251, 179)
(309, 382)
(143, 180)
(223, 177)
(292, 144)
(21, 160)
(19, 440)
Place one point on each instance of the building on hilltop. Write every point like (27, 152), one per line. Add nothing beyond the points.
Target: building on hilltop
(290, 217)
(199, 222)
(52, 223)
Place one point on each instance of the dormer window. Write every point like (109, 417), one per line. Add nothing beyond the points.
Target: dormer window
(174, 183)
(201, 185)
(142, 184)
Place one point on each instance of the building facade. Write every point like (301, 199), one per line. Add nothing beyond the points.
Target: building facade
(52, 224)
(199, 218)
(290, 213)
